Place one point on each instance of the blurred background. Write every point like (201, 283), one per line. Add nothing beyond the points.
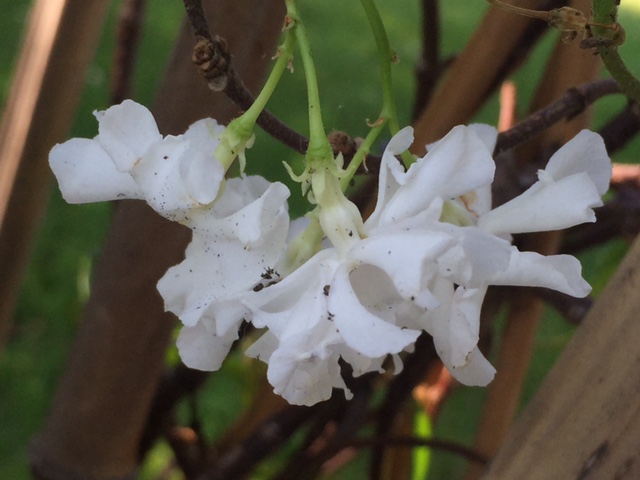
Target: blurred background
(70, 239)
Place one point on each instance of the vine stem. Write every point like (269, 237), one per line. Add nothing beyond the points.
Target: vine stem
(386, 57)
(319, 146)
(285, 53)
(606, 12)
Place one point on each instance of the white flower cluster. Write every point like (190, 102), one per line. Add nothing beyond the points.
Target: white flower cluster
(421, 262)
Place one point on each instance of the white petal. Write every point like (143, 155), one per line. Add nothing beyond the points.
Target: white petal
(298, 302)
(456, 323)
(363, 331)
(189, 287)
(392, 173)
(250, 218)
(487, 133)
(406, 256)
(176, 176)
(86, 173)
(477, 372)
(474, 257)
(126, 131)
(464, 323)
(558, 272)
(263, 347)
(455, 332)
(202, 349)
(303, 369)
(583, 153)
(459, 163)
(219, 270)
(547, 205)
(204, 135)
(240, 192)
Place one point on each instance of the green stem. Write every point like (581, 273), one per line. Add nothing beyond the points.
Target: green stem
(319, 147)
(386, 57)
(285, 53)
(606, 12)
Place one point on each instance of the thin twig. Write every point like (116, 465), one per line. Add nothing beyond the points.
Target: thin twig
(619, 217)
(568, 106)
(215, 62)
(174, 385)
(622, 128)
(238, 462)
(414, 442)
(399, 390)
(339, 422)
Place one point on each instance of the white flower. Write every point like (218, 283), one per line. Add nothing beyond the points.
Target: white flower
(575, 178)
(236, 245)
(422, 261)
(130, 159)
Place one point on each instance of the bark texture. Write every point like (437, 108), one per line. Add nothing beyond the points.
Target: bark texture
(99, 411)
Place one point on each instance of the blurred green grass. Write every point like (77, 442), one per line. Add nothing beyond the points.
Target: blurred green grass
(71, 236)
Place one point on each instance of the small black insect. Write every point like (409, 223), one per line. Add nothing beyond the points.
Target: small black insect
(269, 277)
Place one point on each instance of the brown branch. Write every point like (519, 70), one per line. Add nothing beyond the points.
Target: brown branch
(567, 66)
(334, 427)
(572, 103)
(493, 52)
(45, 91)
(622, 128)
(399, 391)
(215, 62)
(174, 385)
(619, 217)
(625, 176)
(273, 433)
(118, 358)
(429, 67)
(128, 32)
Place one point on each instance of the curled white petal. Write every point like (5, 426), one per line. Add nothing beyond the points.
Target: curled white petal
(476, 372)
(455, 325)
(373, 335)
(459, 163)
(202, 348)
(583, 153)
(304, 369)
(473, 257)
(174, 175)
(392, 173)
(529, 269)
(547, 205)
(86, 173)
(126, 131)
(407, 256)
